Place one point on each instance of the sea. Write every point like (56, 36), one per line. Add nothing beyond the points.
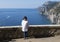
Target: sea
(13, 17)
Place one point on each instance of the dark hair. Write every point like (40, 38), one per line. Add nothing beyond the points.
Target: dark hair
(25, 18)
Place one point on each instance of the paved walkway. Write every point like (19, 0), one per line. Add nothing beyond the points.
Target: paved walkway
(50, 39)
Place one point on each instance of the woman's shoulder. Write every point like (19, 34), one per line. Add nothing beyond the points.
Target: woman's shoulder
(24, 21)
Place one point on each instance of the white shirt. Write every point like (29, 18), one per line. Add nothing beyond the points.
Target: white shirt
(24, 25)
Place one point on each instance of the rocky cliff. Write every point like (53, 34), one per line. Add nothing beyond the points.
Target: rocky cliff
(52, 10)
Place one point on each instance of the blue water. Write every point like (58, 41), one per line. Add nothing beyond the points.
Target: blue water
(13, 17)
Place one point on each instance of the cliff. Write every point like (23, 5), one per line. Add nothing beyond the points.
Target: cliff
(52, 10)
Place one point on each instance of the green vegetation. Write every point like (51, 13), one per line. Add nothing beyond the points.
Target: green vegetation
(50, 5)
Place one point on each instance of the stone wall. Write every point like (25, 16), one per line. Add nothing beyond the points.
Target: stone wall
(33, 32)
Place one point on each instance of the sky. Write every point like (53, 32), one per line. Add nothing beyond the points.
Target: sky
(22, 3)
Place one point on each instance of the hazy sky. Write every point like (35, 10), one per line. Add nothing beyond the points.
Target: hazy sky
(22, 3)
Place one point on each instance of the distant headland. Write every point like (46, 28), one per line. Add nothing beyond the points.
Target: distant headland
(52, 10)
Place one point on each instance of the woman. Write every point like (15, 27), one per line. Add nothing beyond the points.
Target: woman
(24, 24)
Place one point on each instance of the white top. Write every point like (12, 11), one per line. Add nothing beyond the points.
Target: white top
(24, 25)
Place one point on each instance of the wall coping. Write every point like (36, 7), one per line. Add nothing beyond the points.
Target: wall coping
(30, 26)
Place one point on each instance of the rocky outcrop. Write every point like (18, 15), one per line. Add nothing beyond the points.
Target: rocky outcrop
(52, 10)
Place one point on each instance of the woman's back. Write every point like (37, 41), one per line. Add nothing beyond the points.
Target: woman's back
(24, 25)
